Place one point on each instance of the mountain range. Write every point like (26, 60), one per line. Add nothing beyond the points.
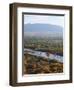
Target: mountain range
(41, 30)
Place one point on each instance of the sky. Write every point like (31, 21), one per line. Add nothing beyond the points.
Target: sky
(55, 20)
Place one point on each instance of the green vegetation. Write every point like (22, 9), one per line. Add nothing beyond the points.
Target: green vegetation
(44, 44)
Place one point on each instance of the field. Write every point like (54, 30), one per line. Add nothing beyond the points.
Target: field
(49, 44)
(36, 65)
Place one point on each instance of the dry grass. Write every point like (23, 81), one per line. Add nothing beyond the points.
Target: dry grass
(37, 65)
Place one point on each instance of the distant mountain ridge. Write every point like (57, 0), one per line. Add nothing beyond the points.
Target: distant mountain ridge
(42, 29)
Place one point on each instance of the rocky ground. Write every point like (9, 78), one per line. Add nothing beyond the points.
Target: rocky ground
(37, 65)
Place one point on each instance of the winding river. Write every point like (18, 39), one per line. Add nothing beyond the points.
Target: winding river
(44, 55)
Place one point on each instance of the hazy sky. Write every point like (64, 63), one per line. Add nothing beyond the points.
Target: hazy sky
(55, 20)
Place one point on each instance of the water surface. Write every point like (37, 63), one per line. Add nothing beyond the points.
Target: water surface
(48, 56)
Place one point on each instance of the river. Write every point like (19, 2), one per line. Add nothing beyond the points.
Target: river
(44, 55)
